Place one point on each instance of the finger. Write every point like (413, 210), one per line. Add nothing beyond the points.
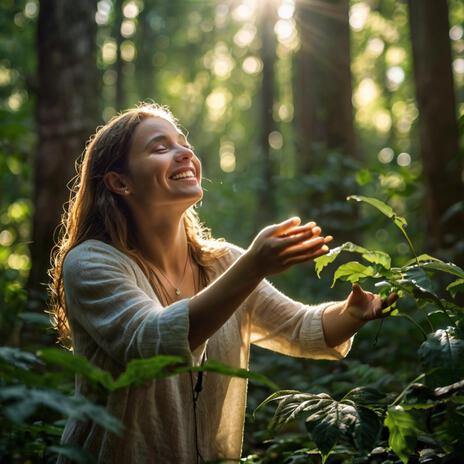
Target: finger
(389, 300)
(294, 239)
(308, 246)
(286, 225)
(300, 229)
(306, 257)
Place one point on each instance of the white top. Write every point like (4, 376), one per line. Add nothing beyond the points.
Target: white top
(115, 316)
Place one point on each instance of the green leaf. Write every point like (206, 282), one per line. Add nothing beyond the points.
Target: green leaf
(403, 432)
(441, 266)
(438, 319)
(378, 204)
(18, 358)
(35, 318)
(367, 428)
(353, 272)
(373, 256)
(387, 210)
(139, 371)
(416, 276)
(365, 396)
(455, 287)
(442, 355)
(73, 453)
(220, 368)
(76, 364)
(421, 259)
(322, 261)
(327, 420)
(21, 402)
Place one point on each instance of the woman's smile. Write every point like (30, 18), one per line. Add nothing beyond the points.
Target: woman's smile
(163, 167)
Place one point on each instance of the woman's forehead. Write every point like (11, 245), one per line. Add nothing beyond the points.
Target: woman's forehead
(152, 127)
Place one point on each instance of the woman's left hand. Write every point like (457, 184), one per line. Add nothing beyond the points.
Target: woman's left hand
(366, 306)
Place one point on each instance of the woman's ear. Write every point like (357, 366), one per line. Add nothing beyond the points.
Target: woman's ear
(116, 183)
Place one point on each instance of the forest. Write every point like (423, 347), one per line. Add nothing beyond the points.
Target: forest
(349, 113)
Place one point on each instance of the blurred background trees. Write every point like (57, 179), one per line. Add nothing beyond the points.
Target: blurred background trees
(290, 104)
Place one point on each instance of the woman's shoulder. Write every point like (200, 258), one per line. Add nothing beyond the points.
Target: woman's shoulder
(91, 252)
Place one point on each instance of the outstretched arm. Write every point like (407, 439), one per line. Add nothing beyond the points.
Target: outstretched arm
(342, 321)
(275, 249)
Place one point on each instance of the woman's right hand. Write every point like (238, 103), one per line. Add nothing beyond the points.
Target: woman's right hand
(280, 246)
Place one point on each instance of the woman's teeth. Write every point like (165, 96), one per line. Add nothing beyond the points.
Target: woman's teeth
(183, 175)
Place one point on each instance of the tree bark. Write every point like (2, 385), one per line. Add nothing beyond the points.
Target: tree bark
(439, 137)
(119, 98)
(324, 124)
(146, 44)
(324, 112)
(268, 16)
(66, 114)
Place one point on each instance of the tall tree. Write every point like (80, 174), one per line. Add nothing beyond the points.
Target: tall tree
(146, 44)
(439, 137)
(324, 112)
(119, 99)
(267, 20)
(323, 107)
(66, 114)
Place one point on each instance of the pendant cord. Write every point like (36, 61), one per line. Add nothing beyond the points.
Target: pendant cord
(176, 289)
(195, 394)
(196, 390)
(165, 300)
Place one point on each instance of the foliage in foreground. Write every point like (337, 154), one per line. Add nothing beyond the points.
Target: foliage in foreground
(424, 422)
(33, 386)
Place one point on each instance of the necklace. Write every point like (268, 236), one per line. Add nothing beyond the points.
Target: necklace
(177, 289)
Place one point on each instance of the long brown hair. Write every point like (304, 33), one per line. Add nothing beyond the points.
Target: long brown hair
(94, 212)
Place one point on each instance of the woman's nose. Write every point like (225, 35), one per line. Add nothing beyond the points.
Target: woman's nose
(183, 153)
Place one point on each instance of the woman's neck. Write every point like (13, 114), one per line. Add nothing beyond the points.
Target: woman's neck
(163, 242)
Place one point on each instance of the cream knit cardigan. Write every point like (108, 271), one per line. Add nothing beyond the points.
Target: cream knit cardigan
(115, 316)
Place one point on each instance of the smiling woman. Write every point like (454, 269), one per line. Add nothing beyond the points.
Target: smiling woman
(135, 275)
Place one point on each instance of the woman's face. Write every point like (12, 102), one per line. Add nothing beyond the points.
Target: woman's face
(162, 166)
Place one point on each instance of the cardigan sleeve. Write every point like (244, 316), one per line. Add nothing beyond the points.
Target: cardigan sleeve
(279, 323)
(102, 295)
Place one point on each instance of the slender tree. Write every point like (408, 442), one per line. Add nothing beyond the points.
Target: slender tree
(119, 99)
(439, 137)
(323, 107)
(267, 16)
(323, 90)
(66, 114)
(146, 44)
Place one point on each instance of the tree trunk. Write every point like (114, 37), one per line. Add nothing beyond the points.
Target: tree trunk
(324, 113)
(439, 137)
(146, 44)
(67, 113)
(266, 208)
(119, 99)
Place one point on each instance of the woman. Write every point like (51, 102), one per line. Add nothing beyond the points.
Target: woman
(135, 275)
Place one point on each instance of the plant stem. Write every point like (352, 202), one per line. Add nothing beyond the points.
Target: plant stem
(409, 318)
(400, 396)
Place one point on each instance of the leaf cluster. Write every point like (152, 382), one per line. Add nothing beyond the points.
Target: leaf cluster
(421, 422)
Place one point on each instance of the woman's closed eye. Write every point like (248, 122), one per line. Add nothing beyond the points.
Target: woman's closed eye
(160, 149)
